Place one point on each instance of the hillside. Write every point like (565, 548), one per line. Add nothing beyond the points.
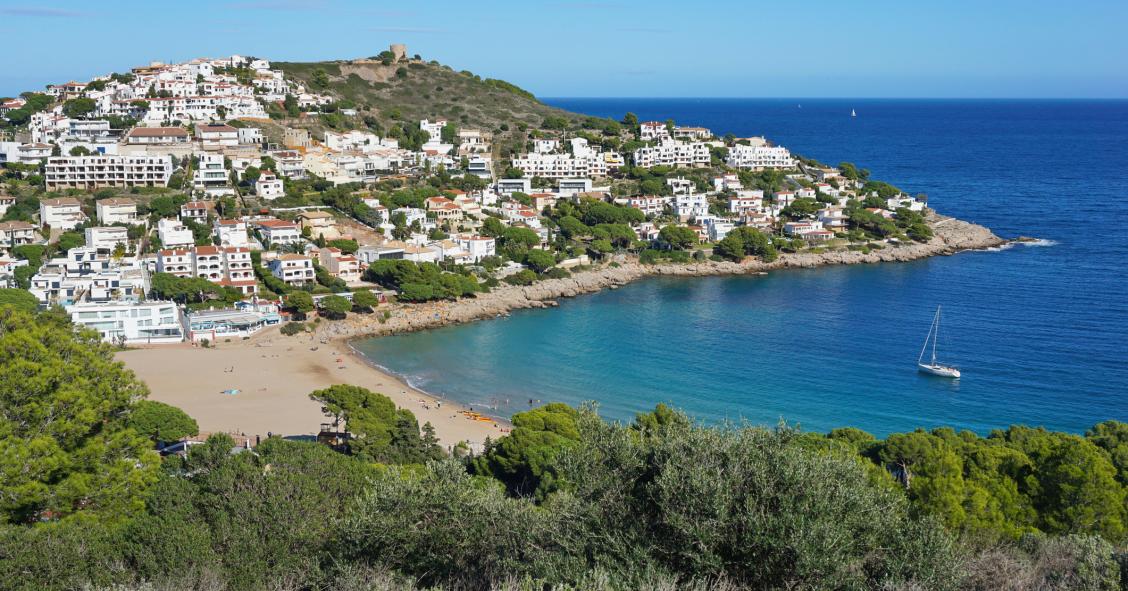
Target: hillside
(412, 89)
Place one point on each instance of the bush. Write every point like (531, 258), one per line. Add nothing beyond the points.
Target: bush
(522, 277)
(292, 328)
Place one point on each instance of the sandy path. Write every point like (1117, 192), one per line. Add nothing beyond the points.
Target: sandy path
(274, 375)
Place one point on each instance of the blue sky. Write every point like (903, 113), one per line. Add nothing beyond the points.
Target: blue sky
(750, 48)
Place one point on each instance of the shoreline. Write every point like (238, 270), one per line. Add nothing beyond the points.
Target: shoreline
(274, 374)
(951, 236)
(192, 377)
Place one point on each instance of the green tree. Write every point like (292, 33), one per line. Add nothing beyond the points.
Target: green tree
(300, 302)
(65, 447)
(335, 306)
(677, 237)
(379, 431)
(18, 299)
(79, 107)
(365, 300)
(539, 260)
(161, 422)
(523, 459)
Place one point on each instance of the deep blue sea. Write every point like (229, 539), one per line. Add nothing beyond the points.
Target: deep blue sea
(1040, 332)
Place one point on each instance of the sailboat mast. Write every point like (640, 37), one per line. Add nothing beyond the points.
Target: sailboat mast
(935, 334)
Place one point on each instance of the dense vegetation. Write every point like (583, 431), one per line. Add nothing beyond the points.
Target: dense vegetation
(564, 499)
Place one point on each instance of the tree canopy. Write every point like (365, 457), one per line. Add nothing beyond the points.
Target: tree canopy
(65, 442)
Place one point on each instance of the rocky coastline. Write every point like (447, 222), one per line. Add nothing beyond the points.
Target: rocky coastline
(950, 237)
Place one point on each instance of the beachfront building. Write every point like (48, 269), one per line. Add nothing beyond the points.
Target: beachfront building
(244, 320)
(759, 157)
(86, 275)
(100, 171)
(118, 210)
(128, 322)
(294, 269)
(63, 213)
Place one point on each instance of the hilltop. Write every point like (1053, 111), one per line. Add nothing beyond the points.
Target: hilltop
(410, 89)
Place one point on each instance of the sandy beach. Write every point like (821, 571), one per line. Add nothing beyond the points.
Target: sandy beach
(274, 375)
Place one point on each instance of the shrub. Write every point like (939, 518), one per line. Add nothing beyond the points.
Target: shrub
(522, 277)
(292, 328)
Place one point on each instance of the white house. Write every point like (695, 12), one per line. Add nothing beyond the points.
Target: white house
(653, 130)
(294, 269)
(210, 176)
(157, 136)
(343, 266)
(106, 238)
(279, 232)
(231, 232)
(197, 211)
(268, 186)
(173, 233)
(476, 247)
(17, 233)
(62, 213)
(118, 210)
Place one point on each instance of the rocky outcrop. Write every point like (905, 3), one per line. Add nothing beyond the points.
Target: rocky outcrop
(950, 236)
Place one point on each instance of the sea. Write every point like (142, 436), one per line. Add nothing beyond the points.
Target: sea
(1039, 330)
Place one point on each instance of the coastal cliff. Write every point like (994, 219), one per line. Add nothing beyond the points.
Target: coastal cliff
(950, 236)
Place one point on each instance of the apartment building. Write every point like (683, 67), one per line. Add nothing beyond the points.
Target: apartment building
(211, 176)
(759, 157)
(560, 166)
(129, 322)
(670, 152)
(227, 266)
(100, 171)
(294, 269)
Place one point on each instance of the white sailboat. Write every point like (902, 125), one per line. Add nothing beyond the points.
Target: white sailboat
(933, 367)
(853, 113)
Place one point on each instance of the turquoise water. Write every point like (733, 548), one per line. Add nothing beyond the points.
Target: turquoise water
(1039, 331)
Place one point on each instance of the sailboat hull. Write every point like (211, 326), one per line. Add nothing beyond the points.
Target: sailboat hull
(942, 371)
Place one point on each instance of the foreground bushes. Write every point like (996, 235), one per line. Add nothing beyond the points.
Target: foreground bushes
(566, 502)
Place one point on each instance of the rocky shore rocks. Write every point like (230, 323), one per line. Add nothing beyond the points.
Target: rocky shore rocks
(950, 236)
